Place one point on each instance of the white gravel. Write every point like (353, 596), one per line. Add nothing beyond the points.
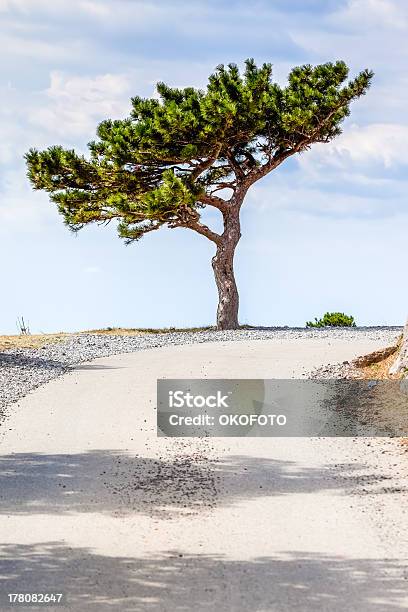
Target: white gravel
(22, 370)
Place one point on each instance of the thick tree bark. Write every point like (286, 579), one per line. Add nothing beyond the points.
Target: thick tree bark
(401, 362)
(223, 266)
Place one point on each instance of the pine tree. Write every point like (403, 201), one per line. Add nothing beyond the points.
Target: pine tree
(191, 149)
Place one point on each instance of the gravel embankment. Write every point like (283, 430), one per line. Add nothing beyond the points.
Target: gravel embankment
(22, 370)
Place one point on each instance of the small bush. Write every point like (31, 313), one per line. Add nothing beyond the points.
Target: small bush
(333, 319)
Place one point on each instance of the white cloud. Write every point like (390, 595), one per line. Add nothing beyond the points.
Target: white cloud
(360, 148)
(139, 14)
(20, 45)
(67, 111)
(366, 34)
(74, 105)
(302, 197)
(373, 13)
(96, 9)
(51, 6)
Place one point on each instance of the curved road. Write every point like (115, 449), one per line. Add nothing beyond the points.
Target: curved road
(95, 506)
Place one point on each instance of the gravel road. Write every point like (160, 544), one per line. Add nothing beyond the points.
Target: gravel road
(23, 370)
(95, 505)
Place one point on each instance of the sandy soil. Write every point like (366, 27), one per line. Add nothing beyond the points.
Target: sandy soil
(29, 340)
(94, 505)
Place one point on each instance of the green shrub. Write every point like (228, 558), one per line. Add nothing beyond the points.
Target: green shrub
(333, 319)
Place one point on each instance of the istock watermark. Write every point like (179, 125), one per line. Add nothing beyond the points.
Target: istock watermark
(281, 408)
(180, 399)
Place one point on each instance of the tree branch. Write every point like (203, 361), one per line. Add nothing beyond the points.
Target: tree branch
(277, 159)
(239, 173)
(212, 200)
(200, 228)
(220, 186)
(206, 163)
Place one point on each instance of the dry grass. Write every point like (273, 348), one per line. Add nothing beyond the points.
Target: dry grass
(36, 341)
(29, 341)
(114, 331)
(380, 370)
(376, 366)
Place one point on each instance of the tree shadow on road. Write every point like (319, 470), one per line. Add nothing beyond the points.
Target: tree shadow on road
(116, 483)
(10, 361)
(177, 582)
(16, 361)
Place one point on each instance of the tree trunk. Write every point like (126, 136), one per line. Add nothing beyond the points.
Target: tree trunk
(401, 362)
(223, 266)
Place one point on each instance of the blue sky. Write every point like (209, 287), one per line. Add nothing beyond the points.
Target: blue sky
(326, 231)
